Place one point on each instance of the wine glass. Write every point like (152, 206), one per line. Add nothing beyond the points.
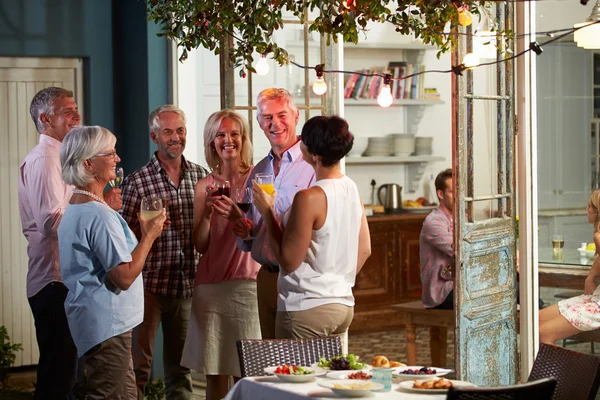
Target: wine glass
(223, 188)
(265, 182)
(116, 183)
(243, 199)
(151, 207)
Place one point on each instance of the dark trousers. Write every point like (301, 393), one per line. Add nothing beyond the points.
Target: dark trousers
(58, 355)
(448, 303)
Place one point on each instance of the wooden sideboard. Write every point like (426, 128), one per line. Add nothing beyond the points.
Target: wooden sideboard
(391, 274)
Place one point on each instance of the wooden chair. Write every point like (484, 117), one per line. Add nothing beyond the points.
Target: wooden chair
(438, 322)
(539, 390)
(577, 374)
(257, 354)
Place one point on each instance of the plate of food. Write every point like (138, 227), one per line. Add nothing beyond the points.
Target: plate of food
(362, 375)
(351, 387)
(295, 373)
(418, 209)
(384, 362)
(418, 372)
(433, 386)
(349, 362)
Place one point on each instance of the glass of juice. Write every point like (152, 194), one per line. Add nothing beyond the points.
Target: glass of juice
(151, 207)
(266, 182)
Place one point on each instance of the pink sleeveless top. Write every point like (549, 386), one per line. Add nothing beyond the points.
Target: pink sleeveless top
(223, 261)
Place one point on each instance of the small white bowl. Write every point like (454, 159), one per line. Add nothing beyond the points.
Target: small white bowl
(591, 254)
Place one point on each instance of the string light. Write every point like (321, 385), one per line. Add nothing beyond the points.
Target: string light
(319, 87)
(385, 98)
(587, 34)
(262, 66)
(465, 18)
(471, 60)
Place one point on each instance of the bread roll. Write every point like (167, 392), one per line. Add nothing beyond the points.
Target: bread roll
(394, 364)
(381, 362)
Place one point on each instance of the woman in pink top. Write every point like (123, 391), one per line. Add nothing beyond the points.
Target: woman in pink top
(224, 307)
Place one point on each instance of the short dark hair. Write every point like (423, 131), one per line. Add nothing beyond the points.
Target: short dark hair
(440, 180)
(327, 137)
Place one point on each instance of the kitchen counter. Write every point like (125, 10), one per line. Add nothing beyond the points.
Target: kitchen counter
(397, 217)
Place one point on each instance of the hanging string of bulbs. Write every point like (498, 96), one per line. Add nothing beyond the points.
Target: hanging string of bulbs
(470, 61)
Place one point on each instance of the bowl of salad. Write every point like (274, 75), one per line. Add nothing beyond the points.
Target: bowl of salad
(349, 362)
(295, 373)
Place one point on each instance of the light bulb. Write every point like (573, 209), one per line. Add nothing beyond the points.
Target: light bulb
(465, 18)
(262, 66)
(319, 87)
(385, 98)
(471, 60)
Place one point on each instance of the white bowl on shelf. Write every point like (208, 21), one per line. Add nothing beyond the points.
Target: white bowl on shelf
(359, 146)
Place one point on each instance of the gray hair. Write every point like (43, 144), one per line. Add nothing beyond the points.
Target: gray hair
(275, 94)
(43, 102)
(153, 124)
(82, 143)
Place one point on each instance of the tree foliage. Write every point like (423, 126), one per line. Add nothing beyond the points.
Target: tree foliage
(251, 23)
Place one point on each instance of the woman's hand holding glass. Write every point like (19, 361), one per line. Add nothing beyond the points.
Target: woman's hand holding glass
(152, 217)
(262, 200)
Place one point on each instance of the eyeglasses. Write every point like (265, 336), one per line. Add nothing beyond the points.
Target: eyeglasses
(112, 154)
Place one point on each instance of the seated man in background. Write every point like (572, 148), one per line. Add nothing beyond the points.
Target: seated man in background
(437, 253)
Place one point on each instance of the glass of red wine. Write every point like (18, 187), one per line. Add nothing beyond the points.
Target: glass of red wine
(222, 189)
(243, 199)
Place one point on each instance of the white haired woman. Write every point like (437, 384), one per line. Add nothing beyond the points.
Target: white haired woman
(101, 262)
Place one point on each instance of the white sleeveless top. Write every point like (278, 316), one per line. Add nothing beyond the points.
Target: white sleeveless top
(328, 271)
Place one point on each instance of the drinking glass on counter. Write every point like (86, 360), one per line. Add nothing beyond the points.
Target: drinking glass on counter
(151, 207)
(558, 242)
(265, 182)
(119, 179)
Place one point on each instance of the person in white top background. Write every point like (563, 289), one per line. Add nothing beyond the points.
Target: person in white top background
(325, 239)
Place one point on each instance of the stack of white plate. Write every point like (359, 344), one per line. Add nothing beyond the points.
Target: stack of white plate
(423, 146)
(403, 143)
(379, 146)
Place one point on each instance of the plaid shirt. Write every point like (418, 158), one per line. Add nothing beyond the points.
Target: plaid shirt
(437, 258)
(170, 267)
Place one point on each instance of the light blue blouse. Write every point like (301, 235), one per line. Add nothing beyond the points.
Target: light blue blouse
(92, 240)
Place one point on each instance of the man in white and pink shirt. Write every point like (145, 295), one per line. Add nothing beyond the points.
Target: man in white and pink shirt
(43, 197)
(437, 253)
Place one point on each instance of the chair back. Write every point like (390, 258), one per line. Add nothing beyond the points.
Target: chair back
(538, 390)
(257, 354)
(577, 375)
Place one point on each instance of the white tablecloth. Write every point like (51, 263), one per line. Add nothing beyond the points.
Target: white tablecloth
(271, 388)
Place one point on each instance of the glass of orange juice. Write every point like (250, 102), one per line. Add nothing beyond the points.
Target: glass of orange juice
(265, 181)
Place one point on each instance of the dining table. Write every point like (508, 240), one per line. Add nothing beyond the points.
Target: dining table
(271, 388)
(564, 269)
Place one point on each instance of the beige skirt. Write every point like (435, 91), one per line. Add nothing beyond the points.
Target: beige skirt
(222, 313)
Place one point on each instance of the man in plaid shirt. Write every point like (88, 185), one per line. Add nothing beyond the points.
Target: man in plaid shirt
(170, 268)
(437, 254)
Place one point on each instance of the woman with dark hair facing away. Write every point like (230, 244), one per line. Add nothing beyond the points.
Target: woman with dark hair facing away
(581, 313)
(324, 240)
(101, 263)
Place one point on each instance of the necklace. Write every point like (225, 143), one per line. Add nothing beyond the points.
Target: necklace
(90, 194)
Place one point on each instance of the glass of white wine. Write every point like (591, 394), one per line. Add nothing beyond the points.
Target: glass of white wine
(119, 178)
(151, 207)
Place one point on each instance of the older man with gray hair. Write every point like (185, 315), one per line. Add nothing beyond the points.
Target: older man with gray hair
(170, 269)
(43, 197)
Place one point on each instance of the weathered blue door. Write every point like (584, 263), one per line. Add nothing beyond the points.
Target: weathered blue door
(485, 274)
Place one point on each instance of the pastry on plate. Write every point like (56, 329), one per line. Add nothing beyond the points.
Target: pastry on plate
(380, 362)
(394, 364)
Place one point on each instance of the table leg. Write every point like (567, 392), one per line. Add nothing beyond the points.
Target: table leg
(434, 345)
(411, 344)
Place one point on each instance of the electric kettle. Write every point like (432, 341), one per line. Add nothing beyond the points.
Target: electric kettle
(392, 197)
